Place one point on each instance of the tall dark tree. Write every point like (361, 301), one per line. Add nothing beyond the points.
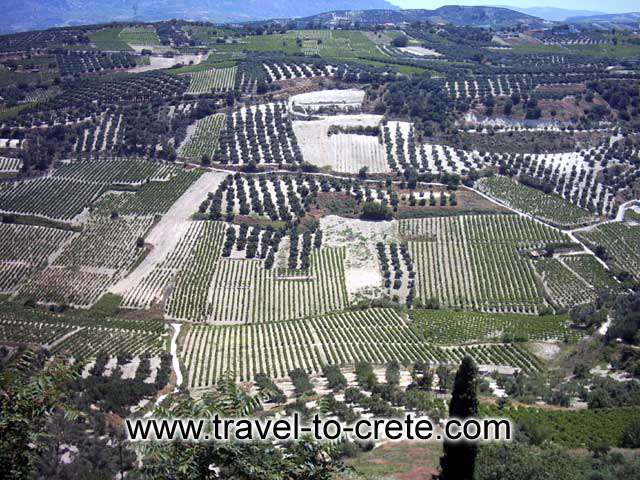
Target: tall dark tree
(459, 458)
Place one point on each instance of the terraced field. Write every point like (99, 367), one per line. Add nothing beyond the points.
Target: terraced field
(81, 337)
(376, 336)
(453, 328)
(551, 208)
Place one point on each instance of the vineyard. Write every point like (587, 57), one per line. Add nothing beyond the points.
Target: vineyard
(591, 271)
(620, 242)
(79, 337)
(89, 263)
(153, 287)
(204, 138)
(10, 165)
(478, 262)
(550, 208)
(76, 268)
(210, 288)
(212, 81)
(450, 328)
(140, 36)
(565, 288)
(24, 249)
(576, 428)
(73, 187)
(151, 198)
(376, 336)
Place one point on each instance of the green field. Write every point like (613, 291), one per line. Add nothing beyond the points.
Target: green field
(447, 327)
(598, 51)
(327, 44)
(145, 36)
(109, 39)
(571, 428)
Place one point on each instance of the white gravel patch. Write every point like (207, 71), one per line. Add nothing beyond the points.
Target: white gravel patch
(545, 350)
(362, 272)
(129, 370)
(154, 365)
(110, 366)
(160, 63)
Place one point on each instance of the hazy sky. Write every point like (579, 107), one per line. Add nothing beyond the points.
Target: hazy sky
(612, 6)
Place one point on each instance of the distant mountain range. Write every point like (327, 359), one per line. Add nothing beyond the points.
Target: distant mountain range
(21, 15)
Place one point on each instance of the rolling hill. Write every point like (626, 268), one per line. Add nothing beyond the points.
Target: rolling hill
(608, 21)
(486, 17)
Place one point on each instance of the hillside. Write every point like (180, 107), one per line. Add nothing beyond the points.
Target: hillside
(555, 14)
(457, 15)
(614, 20)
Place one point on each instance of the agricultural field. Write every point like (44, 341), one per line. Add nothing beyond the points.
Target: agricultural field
(139, 36)
(24, 249)
(109, 39)
(551, 208)
(564, 288)
(447, 327)
(212, 81)
(460, 261)
(247, 287)
(275, 348)
(343, 151)
(97, 257)
(203, 140)
(620, 244)
(575, 428)
(322, 215)
(258, 134)
(81, 337)
(70, 189)
(589, 269)
(10, 165)
(78, 63)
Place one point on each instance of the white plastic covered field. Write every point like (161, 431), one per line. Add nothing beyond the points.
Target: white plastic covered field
(346, 153)
(420, 51)
(343, 99)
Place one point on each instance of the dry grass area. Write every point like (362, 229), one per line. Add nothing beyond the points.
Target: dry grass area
(399, 460)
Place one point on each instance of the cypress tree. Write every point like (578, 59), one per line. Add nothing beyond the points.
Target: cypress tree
(459, 458)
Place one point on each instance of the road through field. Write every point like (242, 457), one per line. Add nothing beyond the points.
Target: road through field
(167, 233)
